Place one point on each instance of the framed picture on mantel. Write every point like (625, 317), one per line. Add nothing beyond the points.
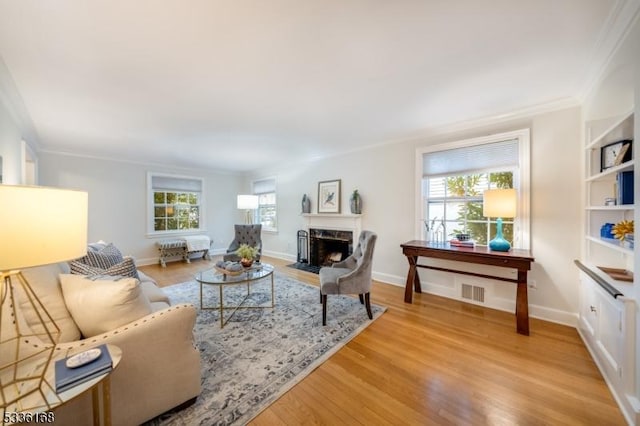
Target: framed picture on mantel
(329, 196)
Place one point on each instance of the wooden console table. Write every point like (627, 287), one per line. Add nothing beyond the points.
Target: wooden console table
(516, 259)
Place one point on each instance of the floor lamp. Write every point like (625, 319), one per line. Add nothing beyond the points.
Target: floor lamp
(499, 203)
(39, 226)
(248, 203)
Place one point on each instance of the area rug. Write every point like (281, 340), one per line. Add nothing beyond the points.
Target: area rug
(261, 353)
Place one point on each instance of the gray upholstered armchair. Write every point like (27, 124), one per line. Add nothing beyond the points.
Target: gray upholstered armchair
(245, 234)
(351, 276)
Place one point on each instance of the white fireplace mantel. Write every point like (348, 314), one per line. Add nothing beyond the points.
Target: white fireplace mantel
(340, 222)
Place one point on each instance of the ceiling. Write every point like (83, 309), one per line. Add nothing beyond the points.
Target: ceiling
(236, 84)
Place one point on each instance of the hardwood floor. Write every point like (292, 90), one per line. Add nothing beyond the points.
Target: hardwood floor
(439, 361)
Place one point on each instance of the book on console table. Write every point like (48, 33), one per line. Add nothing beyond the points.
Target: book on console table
(466, 243)
(66, 377)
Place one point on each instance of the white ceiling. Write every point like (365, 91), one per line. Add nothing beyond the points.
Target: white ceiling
(234, 84)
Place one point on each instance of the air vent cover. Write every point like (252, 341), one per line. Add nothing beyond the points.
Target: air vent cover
(472, 292)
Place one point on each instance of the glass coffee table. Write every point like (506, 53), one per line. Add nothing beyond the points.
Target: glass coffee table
(212, 277)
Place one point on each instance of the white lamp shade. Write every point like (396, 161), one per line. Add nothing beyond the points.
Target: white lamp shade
(247, 202)
(499, 203)
(40, 225)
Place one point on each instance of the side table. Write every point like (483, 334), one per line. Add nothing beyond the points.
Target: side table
(48, 400)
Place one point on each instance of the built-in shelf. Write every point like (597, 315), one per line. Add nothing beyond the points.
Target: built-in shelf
(622, 207)
(612, 246)
(612, 171)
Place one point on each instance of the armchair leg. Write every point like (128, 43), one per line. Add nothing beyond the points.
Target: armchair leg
(368, 305)
(320, 296)
(361, 299)
(324, 309)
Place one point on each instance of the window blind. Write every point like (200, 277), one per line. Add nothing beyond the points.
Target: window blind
(174, 183)
(264, 186)
(469, 159)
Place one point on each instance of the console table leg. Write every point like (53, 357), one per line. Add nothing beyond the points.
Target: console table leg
(413, 280)
(522, 304)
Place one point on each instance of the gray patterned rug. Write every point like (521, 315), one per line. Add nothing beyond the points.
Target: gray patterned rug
(262, 353)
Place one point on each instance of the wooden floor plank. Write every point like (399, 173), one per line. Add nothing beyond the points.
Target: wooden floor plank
(439, 361)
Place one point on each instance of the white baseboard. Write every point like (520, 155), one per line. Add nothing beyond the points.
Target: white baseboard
(389, 279)
(535, 311)
(280, 255)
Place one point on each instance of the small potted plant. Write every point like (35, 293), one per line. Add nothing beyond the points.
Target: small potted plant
(247, 254)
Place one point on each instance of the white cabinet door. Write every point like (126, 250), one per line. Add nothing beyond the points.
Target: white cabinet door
(609, 335)
(588, 306)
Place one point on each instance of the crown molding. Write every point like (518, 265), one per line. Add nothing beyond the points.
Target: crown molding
(614, 32)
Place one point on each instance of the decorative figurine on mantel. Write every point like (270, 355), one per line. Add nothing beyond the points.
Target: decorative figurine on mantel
(306, 204)
(356, 202)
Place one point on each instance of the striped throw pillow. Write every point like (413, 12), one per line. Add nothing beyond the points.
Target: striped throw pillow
(126, 268)
(104, 258)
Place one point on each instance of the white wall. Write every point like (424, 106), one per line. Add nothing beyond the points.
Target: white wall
(385, 178)
(117, 200)
(10, 147)
(15, 127)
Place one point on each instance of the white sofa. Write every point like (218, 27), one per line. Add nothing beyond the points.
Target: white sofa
(160, 366)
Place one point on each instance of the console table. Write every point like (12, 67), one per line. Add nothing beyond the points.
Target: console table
(515, 259)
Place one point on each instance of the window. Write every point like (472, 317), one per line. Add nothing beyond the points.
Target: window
(266, 214)
(454, 177)
(175, 203)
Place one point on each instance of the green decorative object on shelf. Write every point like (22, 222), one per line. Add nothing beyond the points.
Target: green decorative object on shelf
(356, 202)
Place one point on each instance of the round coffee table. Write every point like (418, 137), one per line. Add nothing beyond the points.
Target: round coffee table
(212, 277)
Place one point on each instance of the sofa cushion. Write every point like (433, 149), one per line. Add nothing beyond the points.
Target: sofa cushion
(126, 268)
(153, 292)
(11, 325)
(99, 305)
(45, 283)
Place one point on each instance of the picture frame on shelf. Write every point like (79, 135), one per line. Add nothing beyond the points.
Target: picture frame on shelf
(329, 196)
(615, 153)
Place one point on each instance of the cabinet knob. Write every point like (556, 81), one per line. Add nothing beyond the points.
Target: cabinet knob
(593, 308)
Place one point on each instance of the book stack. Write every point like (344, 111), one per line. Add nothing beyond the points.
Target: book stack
(66, 377)
(624, 186)
(462, 243)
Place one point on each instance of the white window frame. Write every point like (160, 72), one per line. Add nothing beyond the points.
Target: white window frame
(256, 217)
(151, 232)
(522, 230)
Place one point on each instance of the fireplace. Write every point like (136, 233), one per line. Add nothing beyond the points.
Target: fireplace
(327, 246)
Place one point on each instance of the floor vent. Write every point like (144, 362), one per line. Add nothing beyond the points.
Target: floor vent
(473, 292)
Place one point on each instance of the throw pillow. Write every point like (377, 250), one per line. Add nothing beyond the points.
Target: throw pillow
(98, 245)
(44, 280)
(126, 268)
(104, 257)
(101, 305)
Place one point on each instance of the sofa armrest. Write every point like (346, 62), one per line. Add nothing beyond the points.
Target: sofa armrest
(160, 366)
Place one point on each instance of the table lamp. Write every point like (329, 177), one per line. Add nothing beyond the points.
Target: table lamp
(499, 203)
(248, 203)
(39, 226)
